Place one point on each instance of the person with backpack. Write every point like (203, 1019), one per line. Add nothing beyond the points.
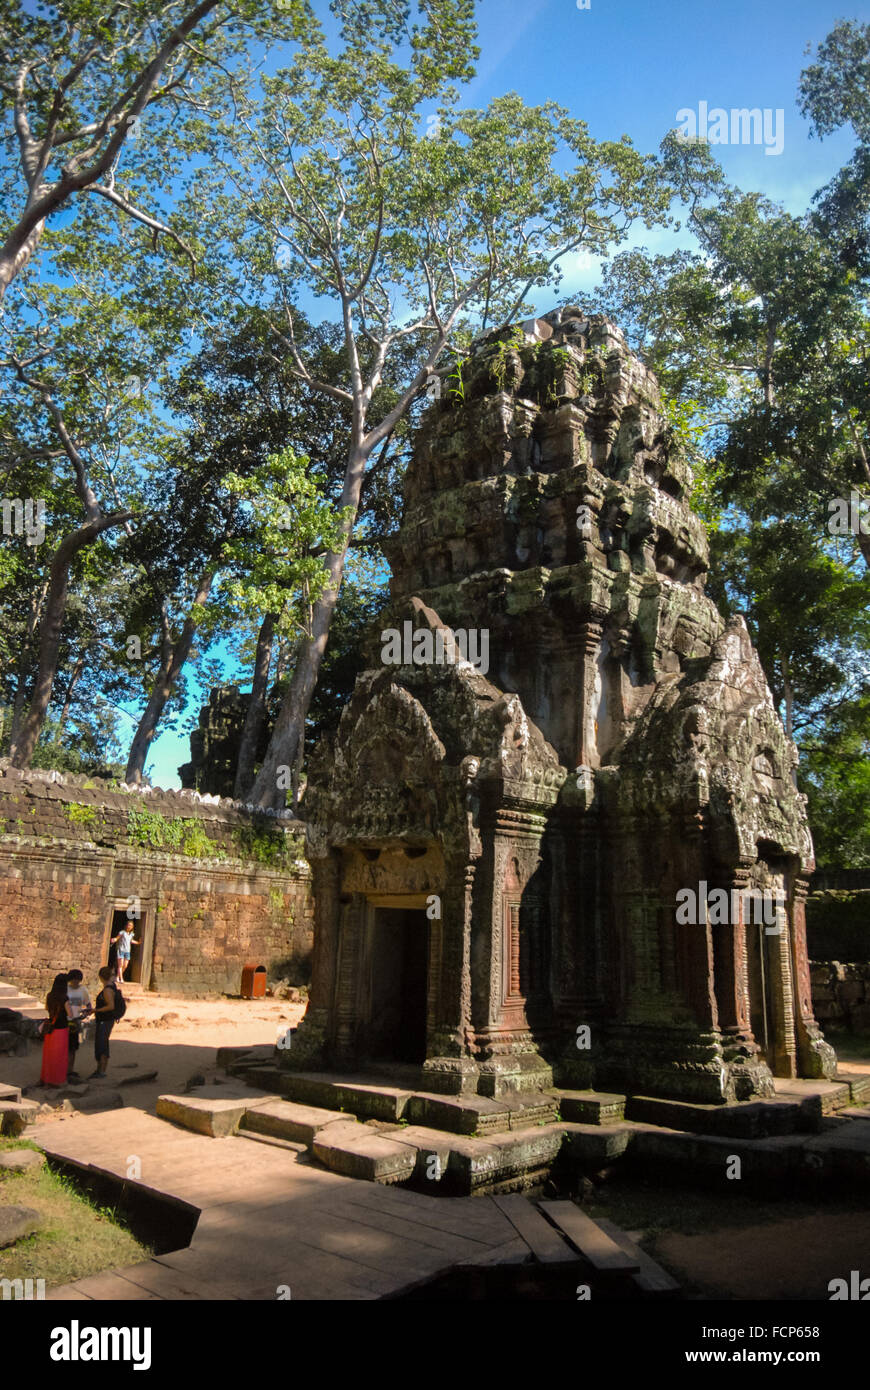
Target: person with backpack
(108, 1009)
(55, 1035)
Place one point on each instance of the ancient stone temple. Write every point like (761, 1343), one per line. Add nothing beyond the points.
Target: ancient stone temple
(558, 741)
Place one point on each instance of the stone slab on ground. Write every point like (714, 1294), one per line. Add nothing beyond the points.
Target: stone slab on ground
(286, 1119)
(204, 1114)
(859, 1089)
(15, 1116)
(594, 1146)
(502, 1158)
(266, 1075)
(747, 1119)
(591, 1107)
(458, 1114)
(359, 1097)
(819, 1097)
(16, 1223)
(258, 1055)
(20, 1161)
(357, 1152)
(22, 1005)
(843, 1152)
(432, 1148)
(12, 1093)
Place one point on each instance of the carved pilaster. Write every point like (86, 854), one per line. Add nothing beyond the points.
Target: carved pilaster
(816, 1058)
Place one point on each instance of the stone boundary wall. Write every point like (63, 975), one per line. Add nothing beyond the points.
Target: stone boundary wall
(841, 995)
(854, 880)
(217, 884)
(838, 924)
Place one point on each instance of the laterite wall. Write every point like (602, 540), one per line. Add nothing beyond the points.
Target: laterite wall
(217, 886)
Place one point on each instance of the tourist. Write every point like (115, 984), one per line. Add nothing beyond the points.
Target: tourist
(55, 1034)
(80, 1008)
(104, 1014)
(125, 940)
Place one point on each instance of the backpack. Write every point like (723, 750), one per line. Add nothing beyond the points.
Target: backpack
(120, 1005)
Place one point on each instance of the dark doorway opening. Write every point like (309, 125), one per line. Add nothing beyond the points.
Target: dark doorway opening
(133, 973)
(399, 962)
(760, 996)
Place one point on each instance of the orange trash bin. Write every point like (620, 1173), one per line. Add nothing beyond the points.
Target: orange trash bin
(253, 980)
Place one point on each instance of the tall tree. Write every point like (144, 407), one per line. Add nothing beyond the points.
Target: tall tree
(77, 85)
(413, 240)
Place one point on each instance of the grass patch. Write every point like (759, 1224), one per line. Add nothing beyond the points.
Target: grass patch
(78, 1238)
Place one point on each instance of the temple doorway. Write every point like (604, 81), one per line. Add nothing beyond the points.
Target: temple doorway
(139, 969)
(398, 959)
(761, 1014)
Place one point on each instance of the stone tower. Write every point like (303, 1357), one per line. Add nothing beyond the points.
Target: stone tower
(500, 843)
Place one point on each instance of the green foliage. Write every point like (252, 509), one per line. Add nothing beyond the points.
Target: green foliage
(80, 814)
(507, 348)
(265, 844)
(835, 774)
(456, 389)
(198, 845)
(179, 835)
(276, 566)
(152, 830)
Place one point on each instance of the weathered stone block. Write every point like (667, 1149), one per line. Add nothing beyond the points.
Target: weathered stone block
(16, 1223)
(20, 1161)
(360, 1153)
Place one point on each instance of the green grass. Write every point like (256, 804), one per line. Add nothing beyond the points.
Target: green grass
(78, 1238)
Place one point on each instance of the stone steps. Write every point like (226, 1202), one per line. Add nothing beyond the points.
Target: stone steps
(799, 1107)
(438, 1161)
(298, 1124)
(11, 997)
(288, 1144)
(22, 1004)
(207, 1110)
(367, 1099)
(591, 1107)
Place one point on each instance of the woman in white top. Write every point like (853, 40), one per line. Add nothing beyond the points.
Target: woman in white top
(79, 1008)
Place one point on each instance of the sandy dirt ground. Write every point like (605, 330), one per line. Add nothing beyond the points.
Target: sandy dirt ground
(178, 1038)
(792, 1259)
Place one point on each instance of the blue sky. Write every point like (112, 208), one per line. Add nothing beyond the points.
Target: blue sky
(627, 67)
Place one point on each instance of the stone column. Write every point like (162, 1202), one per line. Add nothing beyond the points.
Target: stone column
(347, 1020)
(749, 1073)
(778, 943)
(449, 1067)
(589, 646)
(816, 1058)
(311, 1037)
